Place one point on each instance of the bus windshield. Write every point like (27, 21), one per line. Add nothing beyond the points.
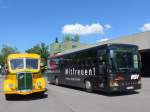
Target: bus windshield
(23, 63)
(31, 63)
(17, 64)
(124, 59)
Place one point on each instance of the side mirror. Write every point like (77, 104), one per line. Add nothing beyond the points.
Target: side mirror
(111, 54)
(101, 58)
(43, 68)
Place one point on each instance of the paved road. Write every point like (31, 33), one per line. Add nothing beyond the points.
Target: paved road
(63, 99)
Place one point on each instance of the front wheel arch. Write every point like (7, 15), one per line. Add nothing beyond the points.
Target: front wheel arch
(56, 81)
(88, 85)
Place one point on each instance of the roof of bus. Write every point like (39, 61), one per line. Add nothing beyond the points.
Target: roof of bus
(23, 55)
(87, 47)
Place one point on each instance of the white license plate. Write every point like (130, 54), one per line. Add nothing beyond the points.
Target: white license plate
(130, 87)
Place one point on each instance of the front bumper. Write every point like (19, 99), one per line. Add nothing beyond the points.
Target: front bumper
(25, 92)
(125, 88)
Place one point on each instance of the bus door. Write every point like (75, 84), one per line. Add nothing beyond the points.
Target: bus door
(102, 67)
(55, 71)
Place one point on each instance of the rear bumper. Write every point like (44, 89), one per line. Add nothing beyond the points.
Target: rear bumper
(25, 92)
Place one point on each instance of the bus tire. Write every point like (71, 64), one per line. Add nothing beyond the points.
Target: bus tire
(40, 94)
(88, 86)
(56, 81)
(7, 97)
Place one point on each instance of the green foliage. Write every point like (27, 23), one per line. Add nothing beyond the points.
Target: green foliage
(75, 38)
(41, 49)
(5, 51)
(2, 62)
(67, 37)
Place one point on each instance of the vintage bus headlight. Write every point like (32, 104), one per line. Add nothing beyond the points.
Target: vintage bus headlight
(11, 86)
(39, 84)
(114, 84)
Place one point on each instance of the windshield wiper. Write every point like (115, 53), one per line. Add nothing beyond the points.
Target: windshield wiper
(124, 69)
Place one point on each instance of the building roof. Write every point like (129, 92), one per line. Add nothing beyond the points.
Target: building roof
(142, 40)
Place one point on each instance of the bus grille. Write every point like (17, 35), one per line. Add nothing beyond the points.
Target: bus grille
(24, 81)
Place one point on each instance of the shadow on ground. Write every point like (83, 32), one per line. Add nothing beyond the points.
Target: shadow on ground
(113, 94)
(27, 97)
(116, 94)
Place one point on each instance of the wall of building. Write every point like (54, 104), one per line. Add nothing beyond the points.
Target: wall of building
(65, 45)
(140, 39)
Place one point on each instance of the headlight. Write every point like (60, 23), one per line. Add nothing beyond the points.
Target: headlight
(114, 84)
(11, 86)
(39, 83)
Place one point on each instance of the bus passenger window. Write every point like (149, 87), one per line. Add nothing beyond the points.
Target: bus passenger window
(55, 63)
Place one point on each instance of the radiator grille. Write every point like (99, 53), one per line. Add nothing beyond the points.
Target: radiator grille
(24, 81)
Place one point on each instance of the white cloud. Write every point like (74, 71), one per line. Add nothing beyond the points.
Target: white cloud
(102, 40)
(146, 27)
(83, 29)
(107, 26)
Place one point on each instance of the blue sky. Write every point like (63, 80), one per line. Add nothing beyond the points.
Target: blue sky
(24, 23)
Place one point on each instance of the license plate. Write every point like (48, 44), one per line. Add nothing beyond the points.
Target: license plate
(25, 90)
(130, 87)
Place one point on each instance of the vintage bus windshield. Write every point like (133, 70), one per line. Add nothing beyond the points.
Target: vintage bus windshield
(124, 59)
(24, 63)
(17, 64)
(31, 63)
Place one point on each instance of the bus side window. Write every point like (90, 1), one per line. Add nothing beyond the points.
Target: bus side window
(102, 61)
(61, 63)
(52, 64)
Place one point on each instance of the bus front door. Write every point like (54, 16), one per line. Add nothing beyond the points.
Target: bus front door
(102, 68)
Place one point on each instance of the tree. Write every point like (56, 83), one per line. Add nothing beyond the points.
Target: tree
(76, 38)
(5, 51)
(56, 41)
(42, 49)
(67, 37)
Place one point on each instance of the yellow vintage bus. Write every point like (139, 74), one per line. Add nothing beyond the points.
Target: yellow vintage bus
(24, 75)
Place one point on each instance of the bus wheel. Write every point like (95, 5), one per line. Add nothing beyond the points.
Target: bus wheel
(40, 94)
(56, 81)
(7, 97)
(88, 86)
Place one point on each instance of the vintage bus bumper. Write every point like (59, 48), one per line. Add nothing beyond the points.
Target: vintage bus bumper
(25, 92)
